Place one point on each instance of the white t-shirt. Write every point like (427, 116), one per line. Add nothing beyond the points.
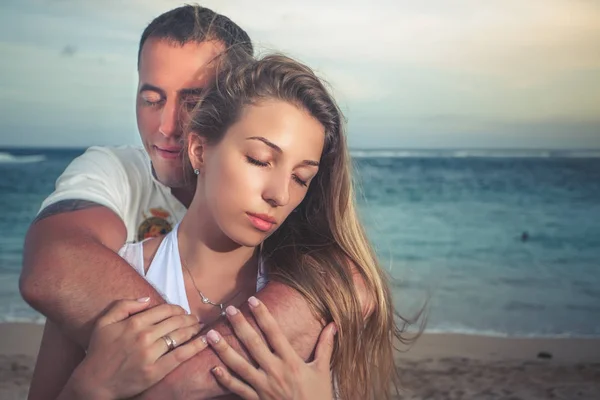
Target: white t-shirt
(121, 179)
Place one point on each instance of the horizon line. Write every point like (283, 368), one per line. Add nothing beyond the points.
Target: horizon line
(351, 149)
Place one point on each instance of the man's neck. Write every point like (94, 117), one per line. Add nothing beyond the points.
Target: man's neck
(184, 195)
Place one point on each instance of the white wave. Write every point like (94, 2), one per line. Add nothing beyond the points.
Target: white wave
(475, 153)
(584, 154)
(29, 319)
(499, 154)
(7, 158)
(461, 330)
(395, 153)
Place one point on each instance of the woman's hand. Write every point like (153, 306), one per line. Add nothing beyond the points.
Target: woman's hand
(129, 353)
(282, 374)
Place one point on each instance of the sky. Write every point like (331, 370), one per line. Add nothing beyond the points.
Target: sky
(407, 74)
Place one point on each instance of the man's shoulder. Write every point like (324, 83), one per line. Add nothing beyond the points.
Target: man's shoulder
(103, 175)
(128, 160)
(121, 154)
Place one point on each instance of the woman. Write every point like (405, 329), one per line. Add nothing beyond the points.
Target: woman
(274, 193)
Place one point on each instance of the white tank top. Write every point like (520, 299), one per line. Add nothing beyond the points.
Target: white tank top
(165, 272)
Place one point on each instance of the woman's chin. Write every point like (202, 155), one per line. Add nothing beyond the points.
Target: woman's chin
(249, 239)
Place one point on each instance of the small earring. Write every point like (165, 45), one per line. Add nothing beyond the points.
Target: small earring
(196, 171)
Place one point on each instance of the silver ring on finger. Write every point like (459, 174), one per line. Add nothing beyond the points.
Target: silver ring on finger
(170, 342)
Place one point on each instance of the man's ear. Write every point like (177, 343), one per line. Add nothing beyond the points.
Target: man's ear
(196, 147)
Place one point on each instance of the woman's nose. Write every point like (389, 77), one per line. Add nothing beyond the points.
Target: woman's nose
(277, 193)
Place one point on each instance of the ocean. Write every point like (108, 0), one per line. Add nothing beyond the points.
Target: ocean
(501, 243)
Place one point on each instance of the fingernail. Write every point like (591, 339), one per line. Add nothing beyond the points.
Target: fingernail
(203, 339)
(144, 299)
(253, 301)
(213, 336)
(231, 311)
(217, 371)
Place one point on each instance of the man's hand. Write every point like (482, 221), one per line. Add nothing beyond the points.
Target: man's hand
(71, 274)
(193, 379)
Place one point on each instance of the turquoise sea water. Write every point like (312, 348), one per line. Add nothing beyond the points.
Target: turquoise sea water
(446, 224)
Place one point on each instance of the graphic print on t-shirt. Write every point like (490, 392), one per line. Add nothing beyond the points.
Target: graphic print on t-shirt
(154, 225)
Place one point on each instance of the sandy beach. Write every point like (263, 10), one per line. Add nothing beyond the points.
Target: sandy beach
(448, 366)
(19, 345)
(438, 366)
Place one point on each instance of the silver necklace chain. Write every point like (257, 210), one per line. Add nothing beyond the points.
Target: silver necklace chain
(206, 300)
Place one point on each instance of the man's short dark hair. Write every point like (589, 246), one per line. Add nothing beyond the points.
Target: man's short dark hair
(193, 23)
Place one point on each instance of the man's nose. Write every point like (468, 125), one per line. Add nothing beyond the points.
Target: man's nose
(169, 120)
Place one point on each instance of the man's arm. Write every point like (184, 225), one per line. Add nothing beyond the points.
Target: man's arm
(193, 379)
(71, 271)
(57, 359)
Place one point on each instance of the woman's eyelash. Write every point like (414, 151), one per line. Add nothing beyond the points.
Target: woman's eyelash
(258, 163)
(300, 181)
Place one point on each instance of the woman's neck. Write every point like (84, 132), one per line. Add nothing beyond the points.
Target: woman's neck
(209, 255)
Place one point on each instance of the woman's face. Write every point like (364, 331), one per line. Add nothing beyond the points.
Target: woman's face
(261, 169)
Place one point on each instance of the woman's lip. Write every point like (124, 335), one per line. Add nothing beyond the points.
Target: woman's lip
(264, 217)
(260, 223)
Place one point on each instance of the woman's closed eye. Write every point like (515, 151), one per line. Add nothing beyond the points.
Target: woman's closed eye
(299, 181)
(259, 163)
(256, 162)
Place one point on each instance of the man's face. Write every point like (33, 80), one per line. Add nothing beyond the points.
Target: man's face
(170, 75)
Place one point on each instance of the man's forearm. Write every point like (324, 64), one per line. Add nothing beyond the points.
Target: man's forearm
(193, 379)
(77, 278)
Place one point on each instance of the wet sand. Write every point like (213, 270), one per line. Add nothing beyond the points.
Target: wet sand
(438, 366)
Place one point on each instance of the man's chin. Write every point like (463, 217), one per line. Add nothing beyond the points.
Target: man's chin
(173, 181)
(169, 177)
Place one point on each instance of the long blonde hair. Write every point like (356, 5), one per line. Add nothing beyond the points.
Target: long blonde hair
(320, 246)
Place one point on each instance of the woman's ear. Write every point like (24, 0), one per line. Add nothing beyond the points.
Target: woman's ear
(196, 147)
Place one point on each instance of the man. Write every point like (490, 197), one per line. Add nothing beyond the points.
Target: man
(71, 271)
(108, 196)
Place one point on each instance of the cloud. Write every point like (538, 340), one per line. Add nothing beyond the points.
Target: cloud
(68, 51)
(392, 64)
(495, 37)
(517, 42)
